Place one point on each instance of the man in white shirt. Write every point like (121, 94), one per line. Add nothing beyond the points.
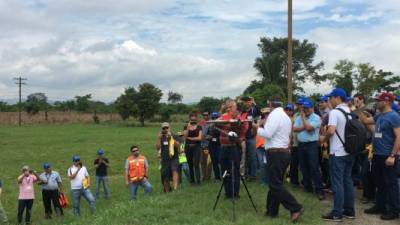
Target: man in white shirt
(277, 131)
(80, 183)
(340, 162)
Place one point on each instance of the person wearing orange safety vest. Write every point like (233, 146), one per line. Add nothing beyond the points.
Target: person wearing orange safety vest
(136, 172)
(261, 152)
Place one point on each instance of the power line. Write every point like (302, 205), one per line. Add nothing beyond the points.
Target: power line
(20, 82)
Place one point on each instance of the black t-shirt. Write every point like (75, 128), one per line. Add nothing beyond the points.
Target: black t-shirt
(194, 133)
(101, 171)
(165, 149)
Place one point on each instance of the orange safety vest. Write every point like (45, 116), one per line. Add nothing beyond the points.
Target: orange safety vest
(260, 141)
(136, 168)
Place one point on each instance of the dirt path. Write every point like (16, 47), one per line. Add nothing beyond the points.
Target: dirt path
(361, 217)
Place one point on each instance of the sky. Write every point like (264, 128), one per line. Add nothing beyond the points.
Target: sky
(197, 48)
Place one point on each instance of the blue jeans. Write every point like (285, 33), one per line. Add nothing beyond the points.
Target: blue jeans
(103, 180)
(308, 153)
(134, 187)
(342, 184)
(76, 198)
(251, 157)
(262, 163)
(183, 169)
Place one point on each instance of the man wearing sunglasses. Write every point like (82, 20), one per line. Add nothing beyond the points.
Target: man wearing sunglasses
(137, 172)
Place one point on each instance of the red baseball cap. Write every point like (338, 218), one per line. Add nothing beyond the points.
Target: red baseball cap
(385, 96)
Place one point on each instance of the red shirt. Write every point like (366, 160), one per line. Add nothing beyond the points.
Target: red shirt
(239, 129)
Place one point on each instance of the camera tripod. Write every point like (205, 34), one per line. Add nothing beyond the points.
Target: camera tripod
(233, 190)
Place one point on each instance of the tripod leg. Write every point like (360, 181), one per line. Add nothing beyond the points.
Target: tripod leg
(248, 193)
(233, 190)
(219, 194)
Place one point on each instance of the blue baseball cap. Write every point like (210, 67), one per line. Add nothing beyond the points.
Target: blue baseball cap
(100, 152)
(76, 158)
(300, 100)
(308, 104)
(46, 165)
(395, 107)
(324, 98)
(289, 106)
(337, 92)
(214, 115)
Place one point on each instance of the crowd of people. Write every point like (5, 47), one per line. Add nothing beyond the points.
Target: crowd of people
(316, 147)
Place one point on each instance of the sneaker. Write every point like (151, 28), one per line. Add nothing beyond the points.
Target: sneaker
(389, 216)
(349, 215)
(330, 217)
(373, 210)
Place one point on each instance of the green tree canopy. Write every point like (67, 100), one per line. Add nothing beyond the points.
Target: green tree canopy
(148, 102)
(83, 103)
(362, 78)
(209, 104)
(174, 97)
(36, 102)
(126, 103)
(272, 64)
(142, 104)
(262, 95)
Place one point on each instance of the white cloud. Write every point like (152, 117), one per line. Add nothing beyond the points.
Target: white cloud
(195, 47)
(76, 70)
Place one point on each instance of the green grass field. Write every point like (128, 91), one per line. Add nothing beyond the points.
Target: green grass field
(33, 145)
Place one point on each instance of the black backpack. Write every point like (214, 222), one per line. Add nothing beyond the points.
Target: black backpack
(355, 134)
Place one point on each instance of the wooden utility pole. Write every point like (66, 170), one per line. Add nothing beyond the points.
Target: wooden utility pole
(289, 59)
(20, 83)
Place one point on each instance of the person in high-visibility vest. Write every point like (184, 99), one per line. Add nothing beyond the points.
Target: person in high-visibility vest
(183, 164)
(136, 172)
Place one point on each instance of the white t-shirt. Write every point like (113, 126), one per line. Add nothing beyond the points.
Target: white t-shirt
(77, 182)
(337, 118)
(277, 129)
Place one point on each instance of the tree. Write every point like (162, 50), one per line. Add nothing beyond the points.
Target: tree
(209, 104)
(83, 103)
(126, 103)
(262, 95)
(388, 81)
(362, 78)
(343, 75)
(3, 106)
(272, 64)
(147, 101)
(36, 102)
(142, 104)
(166, 110)
(174, 97)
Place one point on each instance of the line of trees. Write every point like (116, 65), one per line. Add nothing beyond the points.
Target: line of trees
(143, 102)
(271, 67)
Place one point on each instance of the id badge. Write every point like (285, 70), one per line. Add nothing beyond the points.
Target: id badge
(214, 139)
(165, 143)
(249, 117)
(378, 135)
